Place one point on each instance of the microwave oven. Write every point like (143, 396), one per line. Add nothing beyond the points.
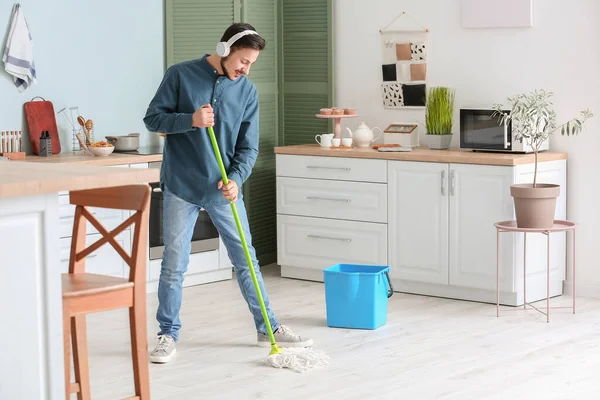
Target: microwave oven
(480, 130)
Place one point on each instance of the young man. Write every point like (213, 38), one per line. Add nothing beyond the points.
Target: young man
(209, 91)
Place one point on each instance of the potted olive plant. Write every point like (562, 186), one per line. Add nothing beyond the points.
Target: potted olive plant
(533, 120)
(439, 113)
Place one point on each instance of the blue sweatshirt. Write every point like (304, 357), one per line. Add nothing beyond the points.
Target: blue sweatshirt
(189, 167)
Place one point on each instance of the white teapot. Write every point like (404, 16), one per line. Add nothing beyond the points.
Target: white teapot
(363, 135)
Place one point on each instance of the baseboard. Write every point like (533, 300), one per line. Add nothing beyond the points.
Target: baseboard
(583, 290)
(536, 290)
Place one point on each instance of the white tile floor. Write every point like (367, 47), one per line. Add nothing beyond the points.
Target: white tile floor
(431, 348)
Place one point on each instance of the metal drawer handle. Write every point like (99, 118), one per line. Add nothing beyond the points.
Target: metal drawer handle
(329, 199)
(328, 238)
(336, 168)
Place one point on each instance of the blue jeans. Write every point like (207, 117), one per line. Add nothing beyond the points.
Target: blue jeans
(179, 218)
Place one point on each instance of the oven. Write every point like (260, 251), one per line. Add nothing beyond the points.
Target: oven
(204, 238)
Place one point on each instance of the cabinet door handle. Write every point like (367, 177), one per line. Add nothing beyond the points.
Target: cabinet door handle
(328, 199)
(443, 181)
(320, 167)
(451, 182)
(329, 238)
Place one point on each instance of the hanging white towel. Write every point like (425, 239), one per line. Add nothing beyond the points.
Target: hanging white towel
(18, 54)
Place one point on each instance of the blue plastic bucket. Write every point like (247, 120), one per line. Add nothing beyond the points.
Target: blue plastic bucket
(356, 296)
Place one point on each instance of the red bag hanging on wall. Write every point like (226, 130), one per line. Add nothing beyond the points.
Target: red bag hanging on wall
(40, 117)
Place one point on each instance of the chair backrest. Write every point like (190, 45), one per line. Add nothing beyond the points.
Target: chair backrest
(130, 197)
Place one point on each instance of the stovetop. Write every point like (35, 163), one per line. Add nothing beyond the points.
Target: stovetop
(148, 150)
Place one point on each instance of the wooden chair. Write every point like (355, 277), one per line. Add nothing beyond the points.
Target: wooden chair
(84, 293)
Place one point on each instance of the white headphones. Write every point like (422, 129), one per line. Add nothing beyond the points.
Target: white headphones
(223, 48)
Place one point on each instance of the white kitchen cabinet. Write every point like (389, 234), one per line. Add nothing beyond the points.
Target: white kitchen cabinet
(418, 221)
(309, 245)
(353, 201)
(460, 208)
(479, 196)
(441, 239)
(330, 211)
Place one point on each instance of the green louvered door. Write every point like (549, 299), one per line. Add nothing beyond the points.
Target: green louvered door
(259, 190)
(307, 59)
(293, 76)
(194, 27)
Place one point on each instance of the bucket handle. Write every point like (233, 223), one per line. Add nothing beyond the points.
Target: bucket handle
(391, 288)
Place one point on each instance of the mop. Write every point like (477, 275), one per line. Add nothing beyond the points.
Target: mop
(297, 359)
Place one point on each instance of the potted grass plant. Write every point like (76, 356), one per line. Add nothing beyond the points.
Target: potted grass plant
(533, 120)
(439, 113)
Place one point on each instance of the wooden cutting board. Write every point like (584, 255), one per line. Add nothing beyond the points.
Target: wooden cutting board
(40, 117)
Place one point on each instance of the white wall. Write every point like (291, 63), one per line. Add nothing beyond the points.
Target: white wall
(561, 52)
(106, 56)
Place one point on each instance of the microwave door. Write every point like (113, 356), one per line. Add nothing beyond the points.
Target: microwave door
(481, 131)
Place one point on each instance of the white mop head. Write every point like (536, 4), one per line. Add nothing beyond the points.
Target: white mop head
(298, 359)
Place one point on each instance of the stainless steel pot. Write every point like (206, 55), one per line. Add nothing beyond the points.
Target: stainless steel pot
(130, 142)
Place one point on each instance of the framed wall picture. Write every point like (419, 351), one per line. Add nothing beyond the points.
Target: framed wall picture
(400, 128)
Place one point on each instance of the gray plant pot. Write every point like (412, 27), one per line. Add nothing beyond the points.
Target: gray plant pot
(438, 142)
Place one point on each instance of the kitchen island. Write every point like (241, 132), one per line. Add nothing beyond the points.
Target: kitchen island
(30, 290)
(427, 214)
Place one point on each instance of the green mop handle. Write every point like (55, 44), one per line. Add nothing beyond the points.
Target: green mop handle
(243, 239)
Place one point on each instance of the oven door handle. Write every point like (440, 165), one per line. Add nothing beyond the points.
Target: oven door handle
(505, 135)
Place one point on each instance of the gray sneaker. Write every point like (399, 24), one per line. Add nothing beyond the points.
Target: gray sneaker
(284, 338)
(164, 351)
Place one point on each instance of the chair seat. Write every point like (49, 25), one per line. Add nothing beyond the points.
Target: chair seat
(74, 285)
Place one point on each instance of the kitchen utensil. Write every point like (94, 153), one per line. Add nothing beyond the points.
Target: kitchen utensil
(335, 142)
(81, 141)
(347, 142)
(363, 135)
(130, 142)
(324, 139)
(40, 117)
(81, 122)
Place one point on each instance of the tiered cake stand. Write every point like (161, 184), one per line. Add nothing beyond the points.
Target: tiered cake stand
(337, 129)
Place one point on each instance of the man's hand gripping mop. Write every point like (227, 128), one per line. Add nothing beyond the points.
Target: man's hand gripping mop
(297, 359)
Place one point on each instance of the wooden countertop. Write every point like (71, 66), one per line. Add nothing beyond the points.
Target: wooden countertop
(457, 156)
(87, 158)
(32, 178)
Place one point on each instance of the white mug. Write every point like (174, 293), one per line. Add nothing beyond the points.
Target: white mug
(335, 142)
(324, 139)
(347, 142)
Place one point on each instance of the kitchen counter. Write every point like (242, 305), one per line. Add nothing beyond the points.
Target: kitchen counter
(29, 178)
(30, 244)
(457, 156)
(81, 158)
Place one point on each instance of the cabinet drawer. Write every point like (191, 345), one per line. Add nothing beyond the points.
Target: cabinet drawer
(109, 218)
(355, 201)
(105, 260)
(335, 168)
(318, 243)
